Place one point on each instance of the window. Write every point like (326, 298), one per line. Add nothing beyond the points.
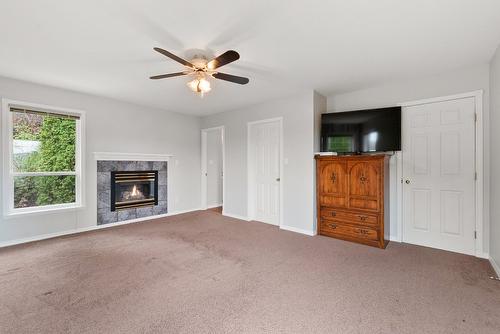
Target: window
(43, 166)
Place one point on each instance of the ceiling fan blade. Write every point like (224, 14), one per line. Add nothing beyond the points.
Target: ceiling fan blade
(224, 59)
(170, 75)
(174, 57)
(231, 78)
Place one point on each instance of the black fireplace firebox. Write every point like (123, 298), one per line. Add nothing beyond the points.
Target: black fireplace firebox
(133, 189)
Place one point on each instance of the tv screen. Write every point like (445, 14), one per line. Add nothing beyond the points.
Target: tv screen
(362, 131)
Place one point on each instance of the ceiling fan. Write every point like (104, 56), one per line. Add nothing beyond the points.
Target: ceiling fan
(201, 68)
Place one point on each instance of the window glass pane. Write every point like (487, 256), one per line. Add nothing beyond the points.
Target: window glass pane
(32, 191)
(43, 143)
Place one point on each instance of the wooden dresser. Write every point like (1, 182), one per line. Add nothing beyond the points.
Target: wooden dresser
(353, 198)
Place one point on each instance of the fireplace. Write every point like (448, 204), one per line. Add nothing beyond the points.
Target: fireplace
(133, 189)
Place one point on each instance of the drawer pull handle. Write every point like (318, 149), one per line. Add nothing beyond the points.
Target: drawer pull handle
(363, 179)
(333, 177)
(363, 231)
(334, 214)
(363, 218)
(333, 226)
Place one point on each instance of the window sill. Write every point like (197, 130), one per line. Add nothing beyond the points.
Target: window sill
(43, 211)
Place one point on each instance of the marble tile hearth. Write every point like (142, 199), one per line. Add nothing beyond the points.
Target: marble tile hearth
(104, 169)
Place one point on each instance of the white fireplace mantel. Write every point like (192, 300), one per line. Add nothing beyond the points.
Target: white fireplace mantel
(119, 156)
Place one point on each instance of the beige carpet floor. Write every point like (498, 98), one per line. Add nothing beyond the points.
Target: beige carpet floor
(205, 273)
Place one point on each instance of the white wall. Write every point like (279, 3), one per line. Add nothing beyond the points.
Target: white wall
(320, 107)
(214, 168)
(392, 93)
(495, 158)
(112, 126)
(298, 184)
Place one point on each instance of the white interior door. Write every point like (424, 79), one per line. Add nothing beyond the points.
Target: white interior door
(264, 171)
(214, 168)
(439, 175)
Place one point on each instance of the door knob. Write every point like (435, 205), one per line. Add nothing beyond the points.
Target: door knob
(407, 182)
(278, 179)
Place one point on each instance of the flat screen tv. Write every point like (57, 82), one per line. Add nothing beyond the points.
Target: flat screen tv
(361, 131)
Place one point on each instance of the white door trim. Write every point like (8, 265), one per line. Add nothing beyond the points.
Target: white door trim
(250, 191)
(203, 175)
(481, 229)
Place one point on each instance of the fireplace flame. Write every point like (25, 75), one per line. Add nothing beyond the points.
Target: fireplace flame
(135, 192)
(132, 194)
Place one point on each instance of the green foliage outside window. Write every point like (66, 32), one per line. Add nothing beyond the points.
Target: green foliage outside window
(51, 141)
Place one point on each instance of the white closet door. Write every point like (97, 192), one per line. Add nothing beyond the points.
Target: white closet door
(265, 171)
(439, 175)
(214, 168)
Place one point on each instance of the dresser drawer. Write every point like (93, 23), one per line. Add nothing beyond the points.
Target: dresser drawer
(364, 204)
(349, 217)
(336, 228)
(337, 201)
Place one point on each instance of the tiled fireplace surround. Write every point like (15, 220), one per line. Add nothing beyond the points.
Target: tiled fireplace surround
(104, 169)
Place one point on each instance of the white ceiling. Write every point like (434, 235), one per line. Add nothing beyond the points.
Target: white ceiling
(104, 47)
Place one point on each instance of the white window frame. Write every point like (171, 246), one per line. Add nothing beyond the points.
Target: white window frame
(9, 174)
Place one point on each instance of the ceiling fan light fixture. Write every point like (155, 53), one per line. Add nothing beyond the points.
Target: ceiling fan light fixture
(193, 85)
(204, 85)
(202, 69)
(200, 85)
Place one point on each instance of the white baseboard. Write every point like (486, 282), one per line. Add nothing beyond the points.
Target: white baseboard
(495, 266)
(394, 238)
(231, 215)
(179, 212)
(211, 206)
(89, 228)
(298, 230)
(483, 256)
